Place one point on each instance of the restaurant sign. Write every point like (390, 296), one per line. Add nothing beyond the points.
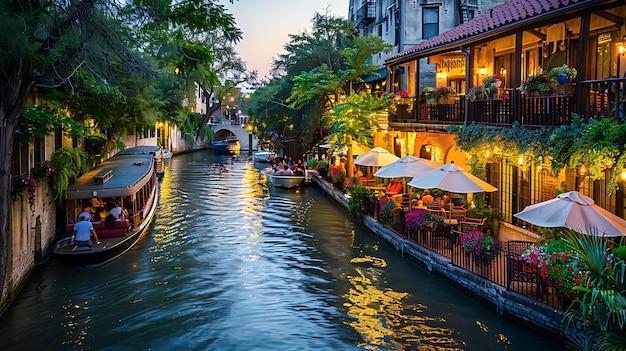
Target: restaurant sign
(451, 64)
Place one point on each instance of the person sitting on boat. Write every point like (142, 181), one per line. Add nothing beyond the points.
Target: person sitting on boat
(95, 204)
(288, 171)
(83, 231)
(290, 163)
(86, 213)
(118, 212)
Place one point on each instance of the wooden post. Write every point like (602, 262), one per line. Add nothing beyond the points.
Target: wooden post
(349, 161)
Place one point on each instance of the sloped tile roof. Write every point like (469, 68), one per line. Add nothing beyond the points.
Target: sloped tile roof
(504, 14)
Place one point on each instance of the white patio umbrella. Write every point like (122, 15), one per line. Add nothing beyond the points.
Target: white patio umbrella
(407, 166)
(376, 157)
(452, 178)
(575, 211)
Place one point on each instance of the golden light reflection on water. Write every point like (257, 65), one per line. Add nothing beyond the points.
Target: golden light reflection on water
(76, 324)
(384, 320)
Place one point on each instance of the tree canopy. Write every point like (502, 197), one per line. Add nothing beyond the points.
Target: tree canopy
(109, 61)
(319, 70)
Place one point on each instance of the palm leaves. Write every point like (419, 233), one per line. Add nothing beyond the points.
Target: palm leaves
(597, 319)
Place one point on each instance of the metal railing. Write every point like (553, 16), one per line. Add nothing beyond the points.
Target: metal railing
(591, 99)
(505, 266)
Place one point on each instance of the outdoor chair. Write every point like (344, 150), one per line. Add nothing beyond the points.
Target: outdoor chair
(458, 214)
(469, 224)
(432, 205)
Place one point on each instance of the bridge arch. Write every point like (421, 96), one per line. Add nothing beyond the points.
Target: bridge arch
(247, 141)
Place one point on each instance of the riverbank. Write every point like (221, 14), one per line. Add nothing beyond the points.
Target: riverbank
(506, 303)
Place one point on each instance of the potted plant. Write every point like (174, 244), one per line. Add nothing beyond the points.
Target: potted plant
(560, 267)
(416, 219)
(337, 176)
(386, 207)
(428, 92)
(361, 200)
(479, 244)
(536, 85)
(443, 95)
(491, 85)
(312, 163)
(477, 93)
(563, 74)
(322, 167)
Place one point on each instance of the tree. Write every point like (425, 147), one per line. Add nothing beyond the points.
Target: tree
(349, 114)
(86, 49)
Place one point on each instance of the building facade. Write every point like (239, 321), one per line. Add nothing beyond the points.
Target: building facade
(518, 42)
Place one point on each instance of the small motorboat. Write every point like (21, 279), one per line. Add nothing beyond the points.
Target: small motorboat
(286, 181)
(228, 146)
(264, 156)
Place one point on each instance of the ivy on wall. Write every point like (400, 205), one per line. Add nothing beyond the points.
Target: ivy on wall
(597, 144)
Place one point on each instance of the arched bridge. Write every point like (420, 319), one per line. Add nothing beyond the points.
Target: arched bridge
(247, 141)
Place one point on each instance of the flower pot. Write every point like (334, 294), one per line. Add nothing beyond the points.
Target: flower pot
(566, 89)
(563, 79)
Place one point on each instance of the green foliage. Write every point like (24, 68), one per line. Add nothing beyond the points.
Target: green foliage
(69, 163)
(563, 70)
(94, 144)
(540, 82)
(482, 211)
(360, 200)
(322, 164)
(597, 144)
(355, 118)
(532, 144)
(312, 163)
(37, 122)
(598, 318)
(319, 80)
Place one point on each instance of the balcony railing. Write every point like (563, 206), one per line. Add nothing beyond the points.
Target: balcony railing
(597, 99)
(366, 14)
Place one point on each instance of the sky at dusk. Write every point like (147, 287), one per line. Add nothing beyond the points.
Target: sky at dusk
(266, 25)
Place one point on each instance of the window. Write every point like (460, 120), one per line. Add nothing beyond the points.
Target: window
(430, 22)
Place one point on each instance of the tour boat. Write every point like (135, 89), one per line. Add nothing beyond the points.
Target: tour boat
(130, 177)
(228, 146)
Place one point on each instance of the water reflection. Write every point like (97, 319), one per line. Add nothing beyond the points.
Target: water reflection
(235, 264)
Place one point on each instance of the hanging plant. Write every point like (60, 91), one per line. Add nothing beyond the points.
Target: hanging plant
(69, 164)
(94, 144)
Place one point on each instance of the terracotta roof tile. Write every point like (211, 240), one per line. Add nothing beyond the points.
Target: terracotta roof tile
(503, 14)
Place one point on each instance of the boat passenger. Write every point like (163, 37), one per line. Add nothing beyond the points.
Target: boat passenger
(117, 211)
(86, 213)
(83, 231)
(95, 204)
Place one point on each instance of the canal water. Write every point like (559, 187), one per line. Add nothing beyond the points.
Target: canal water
(233, 263)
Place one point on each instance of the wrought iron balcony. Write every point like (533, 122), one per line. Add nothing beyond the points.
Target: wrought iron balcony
(366, 14)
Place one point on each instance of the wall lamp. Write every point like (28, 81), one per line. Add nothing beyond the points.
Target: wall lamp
(428, 146)
(482, 71)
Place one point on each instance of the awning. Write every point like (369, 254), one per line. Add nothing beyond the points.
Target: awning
(379, 74)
